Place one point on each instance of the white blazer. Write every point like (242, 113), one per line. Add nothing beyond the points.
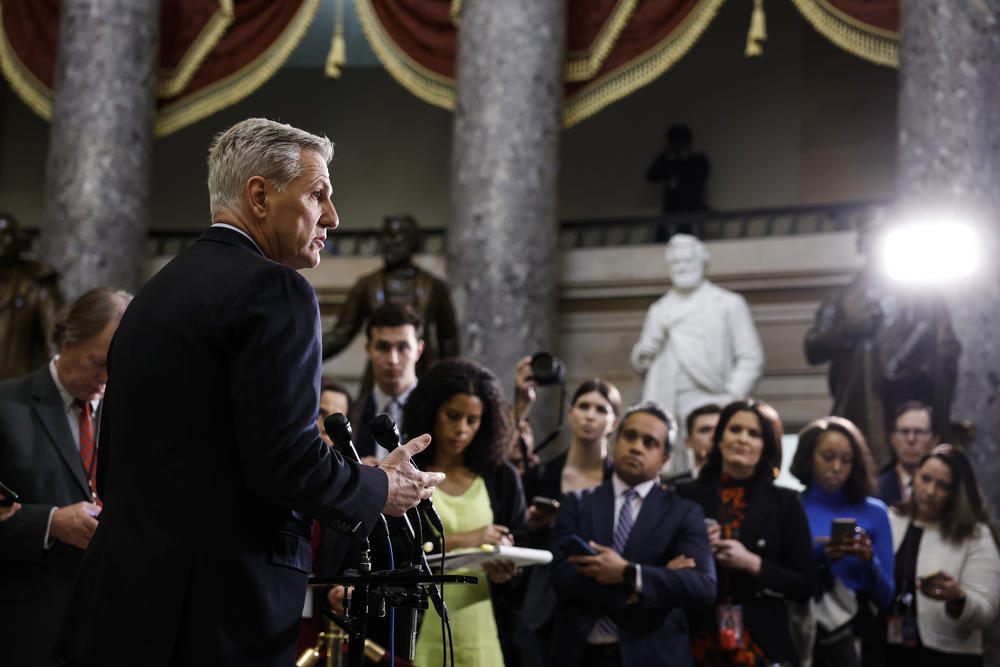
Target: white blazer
(976, 564)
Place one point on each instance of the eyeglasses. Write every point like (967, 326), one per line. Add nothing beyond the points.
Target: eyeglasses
(916, 432)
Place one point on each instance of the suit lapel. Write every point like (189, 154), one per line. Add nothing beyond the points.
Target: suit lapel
(604, 510)
(47, 404)
(650, 513)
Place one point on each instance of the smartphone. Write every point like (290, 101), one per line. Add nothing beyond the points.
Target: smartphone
(543, 504)
(9, 496)
(575, 545)
(925, 577)
(843, 530)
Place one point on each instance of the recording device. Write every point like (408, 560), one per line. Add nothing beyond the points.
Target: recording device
(575, 545)
(843, 530)
(387, 436)
(338, 427)
(547, 369)
(543, 504)
(9, 496)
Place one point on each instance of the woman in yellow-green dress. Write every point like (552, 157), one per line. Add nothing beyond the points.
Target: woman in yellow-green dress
(460, 403)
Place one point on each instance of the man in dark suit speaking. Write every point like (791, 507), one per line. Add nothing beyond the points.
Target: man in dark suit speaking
(211, 466)
(625, 604)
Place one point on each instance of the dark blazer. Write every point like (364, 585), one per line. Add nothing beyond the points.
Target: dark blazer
(40, 461)
(210, 463)
(889, 490)
(361, 415)
(654, 631)
(777, 530)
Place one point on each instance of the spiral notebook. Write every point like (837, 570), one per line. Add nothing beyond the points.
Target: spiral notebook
(488, 553)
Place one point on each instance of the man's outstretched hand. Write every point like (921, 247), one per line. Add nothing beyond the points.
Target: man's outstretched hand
(407, 485)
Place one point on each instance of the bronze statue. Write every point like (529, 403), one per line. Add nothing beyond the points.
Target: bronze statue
(886, 344)
(401, 282)
(29, 301)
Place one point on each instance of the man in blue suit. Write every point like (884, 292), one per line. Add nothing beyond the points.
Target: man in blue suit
(625, 605)
(211, 465)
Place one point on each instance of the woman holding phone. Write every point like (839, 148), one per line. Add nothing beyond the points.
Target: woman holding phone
(852, 541)
(593, 416)
(760, 538)
(947, 566)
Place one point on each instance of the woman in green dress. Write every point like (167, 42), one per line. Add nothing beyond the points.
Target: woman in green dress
(460, 403)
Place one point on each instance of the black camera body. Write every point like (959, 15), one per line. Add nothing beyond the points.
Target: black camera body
(547, 369)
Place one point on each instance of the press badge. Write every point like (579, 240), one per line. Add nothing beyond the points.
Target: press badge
(729, 618)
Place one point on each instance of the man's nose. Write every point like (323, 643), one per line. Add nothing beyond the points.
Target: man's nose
(394, 356)
(329, 219)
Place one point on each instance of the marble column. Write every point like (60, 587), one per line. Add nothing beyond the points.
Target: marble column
(502, 236)
(97, 174)
(949, 157)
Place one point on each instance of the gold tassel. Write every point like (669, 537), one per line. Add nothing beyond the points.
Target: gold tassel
(338, 49)
(757, 34)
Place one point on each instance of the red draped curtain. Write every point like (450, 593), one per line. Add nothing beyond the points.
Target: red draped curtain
(215, 52)
(212, 52)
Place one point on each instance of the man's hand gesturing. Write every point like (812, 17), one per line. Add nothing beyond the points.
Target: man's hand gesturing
(407, 485)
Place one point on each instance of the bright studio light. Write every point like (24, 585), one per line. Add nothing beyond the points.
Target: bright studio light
(930, 252)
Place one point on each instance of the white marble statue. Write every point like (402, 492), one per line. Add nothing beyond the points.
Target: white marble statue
(698, 343)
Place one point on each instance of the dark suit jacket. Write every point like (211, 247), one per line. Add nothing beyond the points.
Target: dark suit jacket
(209, 464)
(777, 530)
(888, 487)
(361, 415)
(654, 631)
(40, 461)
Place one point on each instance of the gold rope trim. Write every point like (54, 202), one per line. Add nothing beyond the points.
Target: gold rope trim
(873, 44)
(172, 81)
(641, 71)
(425, 84)
(32, 92)
(239, 84)
(589, 61)
(455, 13)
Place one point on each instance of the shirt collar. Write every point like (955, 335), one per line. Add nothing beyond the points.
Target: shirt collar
(642, 489)
(225, 225)
(382, 399)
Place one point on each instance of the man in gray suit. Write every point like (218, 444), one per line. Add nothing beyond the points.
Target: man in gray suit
(48, 427)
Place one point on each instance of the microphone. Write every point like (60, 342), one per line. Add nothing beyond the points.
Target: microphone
(387, 435)
(338, 427)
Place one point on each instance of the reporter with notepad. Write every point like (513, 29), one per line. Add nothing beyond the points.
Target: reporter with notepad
(460, 403)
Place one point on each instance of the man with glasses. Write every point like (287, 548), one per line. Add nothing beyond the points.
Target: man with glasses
(912, 438)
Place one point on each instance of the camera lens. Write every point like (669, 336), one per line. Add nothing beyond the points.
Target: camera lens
(547, 369)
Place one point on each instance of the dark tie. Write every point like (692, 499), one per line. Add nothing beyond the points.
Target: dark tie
(618, 541)
(88, 452)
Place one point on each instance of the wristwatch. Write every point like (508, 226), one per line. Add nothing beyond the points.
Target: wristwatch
(628, 576)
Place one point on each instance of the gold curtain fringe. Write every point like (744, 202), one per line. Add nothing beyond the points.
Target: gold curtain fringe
(455, 12)
(425, 84)
(873, 44)
(240, 84)
(171, 82)
(582, 68)
(757, 34)
(338, 48)
(32, 92)
(641, 71)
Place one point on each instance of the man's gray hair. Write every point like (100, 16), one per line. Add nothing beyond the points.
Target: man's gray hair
(88, 315)
(257, 147)
(656, 410)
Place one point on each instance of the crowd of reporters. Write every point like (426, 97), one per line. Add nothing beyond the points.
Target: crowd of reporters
(830, 575)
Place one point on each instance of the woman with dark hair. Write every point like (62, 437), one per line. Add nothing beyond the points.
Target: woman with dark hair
(593, 416)
(833, 461)
(760, 538)
(461, 405)
(947, 566)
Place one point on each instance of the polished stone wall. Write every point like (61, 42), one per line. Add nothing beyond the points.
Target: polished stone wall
(502, 234)
(97, 178)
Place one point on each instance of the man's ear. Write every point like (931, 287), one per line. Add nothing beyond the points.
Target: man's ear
(666, 455)
(256, 193)
(420, 348)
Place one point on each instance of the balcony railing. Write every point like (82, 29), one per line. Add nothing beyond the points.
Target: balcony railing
(637, 230)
